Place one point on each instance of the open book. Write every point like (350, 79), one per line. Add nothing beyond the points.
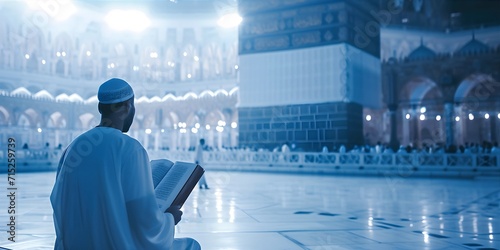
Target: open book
(173, 182)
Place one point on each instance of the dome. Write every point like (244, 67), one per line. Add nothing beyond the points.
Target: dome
(472, 47)
(422, 52)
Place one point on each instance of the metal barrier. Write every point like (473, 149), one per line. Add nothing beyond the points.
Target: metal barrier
(416, 164)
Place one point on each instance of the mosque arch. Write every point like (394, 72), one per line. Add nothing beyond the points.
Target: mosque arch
(4, 116)
(169, 64)
(86, 120)
(212, 118)
(56, 120)
(477, 87)
(21, 91)
(88, 55)
(119, 60)
(190, 62)
(416, 89)
(34, 46)
(62, 52)
(232, 59)
(23, 121)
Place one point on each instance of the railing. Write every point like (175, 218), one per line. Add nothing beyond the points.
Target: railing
(335, 163)
(29, 160)
(347, 163)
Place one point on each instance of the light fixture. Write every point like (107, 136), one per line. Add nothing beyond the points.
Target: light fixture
(207, 127)
(368, 117)
(486, 116)
(194, 130)
(423, 110)
(438, 118)
(457, 118)
(407, 116)
(234, 124)
(196, 58)
(230, 20)
(27, 56)
(88, 53)
(148, 131)
(43, 61)
(197, 125)
(39, 130)
(422, 117)
(132, 20)
(471, 116)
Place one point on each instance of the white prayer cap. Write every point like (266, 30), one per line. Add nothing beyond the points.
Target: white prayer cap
(114, 90)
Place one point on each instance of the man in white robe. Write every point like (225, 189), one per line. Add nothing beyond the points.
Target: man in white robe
(199, 160)
(103, 197)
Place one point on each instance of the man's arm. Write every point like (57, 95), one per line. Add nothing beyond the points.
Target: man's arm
(150, 227)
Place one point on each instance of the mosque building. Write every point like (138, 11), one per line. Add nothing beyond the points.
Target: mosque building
(310, 73)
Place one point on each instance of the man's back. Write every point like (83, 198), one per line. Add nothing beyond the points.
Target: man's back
(106, 176)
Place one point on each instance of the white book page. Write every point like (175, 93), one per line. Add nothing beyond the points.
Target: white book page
(159, 169)
(172, 183)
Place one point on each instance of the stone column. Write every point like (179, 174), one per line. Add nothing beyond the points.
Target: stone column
(449, 121)
(393, 142)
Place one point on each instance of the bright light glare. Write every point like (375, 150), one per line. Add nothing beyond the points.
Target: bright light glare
(438, 118)
(422, 117)
(132, 20)
(234, 124)
(230, 20)
(368, 118)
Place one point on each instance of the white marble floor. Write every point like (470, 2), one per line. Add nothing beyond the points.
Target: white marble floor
(290, 211)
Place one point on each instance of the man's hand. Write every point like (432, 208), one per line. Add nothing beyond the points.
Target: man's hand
(176, 212)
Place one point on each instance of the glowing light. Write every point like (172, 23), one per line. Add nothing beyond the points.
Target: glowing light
(368, 117)
(194, 130)
(132, 20)
(148, 131)
(457, 118)
(234, 124)
(188, 75)
(39, 130)
(27, 56)
(196, 58)
(135, 68)
(185, 53)
(182, 130)
(153, 55)
(230, 20)
(207, 127)
(219, 129)
(486, 116)
(407, 116)
(236, 66)
(43, 61)
(422, 117)
(58, 54)
(88, 53)
(112, 65)
(221, 123)
(162, 130)
(63, 53)
(471, 117)
(197, 125)
(498, 115)
(423, 109)
(438, 118)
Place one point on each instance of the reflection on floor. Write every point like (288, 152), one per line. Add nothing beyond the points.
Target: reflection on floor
(280, 211)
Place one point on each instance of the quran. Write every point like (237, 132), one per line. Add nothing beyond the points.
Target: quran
(173, 182)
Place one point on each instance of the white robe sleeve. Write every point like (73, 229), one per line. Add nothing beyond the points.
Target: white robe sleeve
(151, 228)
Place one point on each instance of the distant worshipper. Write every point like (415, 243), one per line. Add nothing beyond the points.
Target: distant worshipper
(199, 160)
(103, 196)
